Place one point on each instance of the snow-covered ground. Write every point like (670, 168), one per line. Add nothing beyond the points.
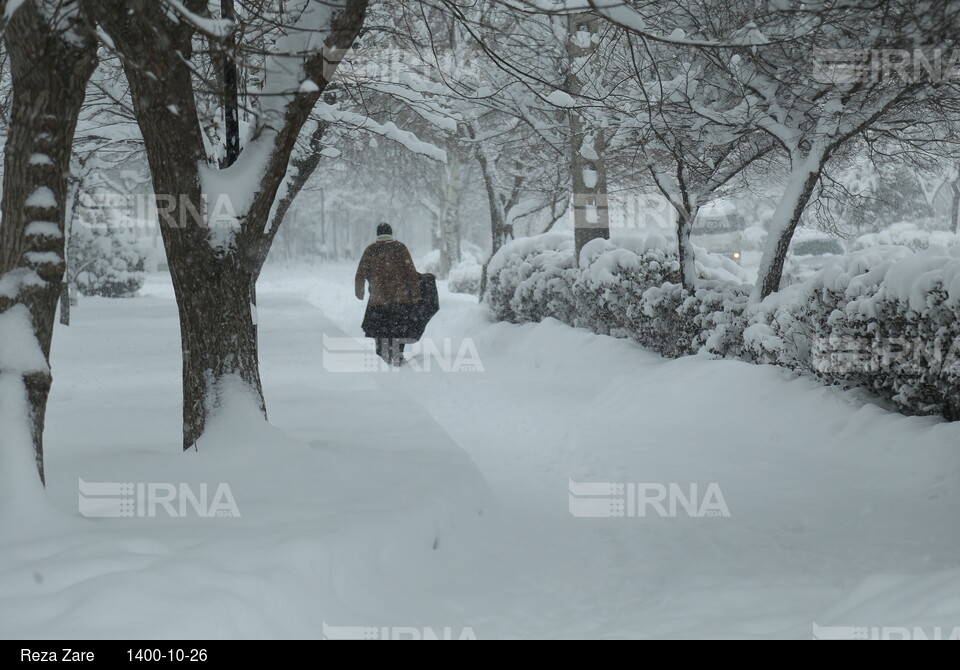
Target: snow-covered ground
(440, 500)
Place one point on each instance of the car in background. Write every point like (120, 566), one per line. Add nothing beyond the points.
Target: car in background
(810, 252)
(718, 228)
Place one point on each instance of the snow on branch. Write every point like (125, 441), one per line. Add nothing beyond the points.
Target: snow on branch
(217, 28)
(11, 7)
(627, 17)
(389, 130)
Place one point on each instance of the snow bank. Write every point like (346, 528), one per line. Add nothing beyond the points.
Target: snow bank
(336, 511)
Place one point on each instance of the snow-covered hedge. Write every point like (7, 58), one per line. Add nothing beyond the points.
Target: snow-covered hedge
(885, 319)
(531, 279)
(628, 289)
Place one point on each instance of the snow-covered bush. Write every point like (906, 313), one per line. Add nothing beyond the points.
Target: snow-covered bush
(465, 277)
(716, 317)
(462, 275)
(885, 319)
(105, 257)
(430, 264)
(531, 278)
(628, 288)
(623, 291)
(898, 332)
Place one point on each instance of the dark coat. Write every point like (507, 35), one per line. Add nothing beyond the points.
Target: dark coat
(388, 267)
(394, 290)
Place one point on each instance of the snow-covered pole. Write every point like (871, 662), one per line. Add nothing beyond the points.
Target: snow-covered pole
(590, 207)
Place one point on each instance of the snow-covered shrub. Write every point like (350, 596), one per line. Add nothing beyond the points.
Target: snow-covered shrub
(430, 264)
(899, 333)
(105, 257)
(608, 287)
(716, 315)
(465, 278)
(628, 288)
(885, 319)
(471, 257)
(531, 278)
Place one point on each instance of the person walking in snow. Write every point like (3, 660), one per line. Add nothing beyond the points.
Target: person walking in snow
(394, 285)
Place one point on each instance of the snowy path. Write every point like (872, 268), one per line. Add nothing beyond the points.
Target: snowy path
(363, 511)
(841, 513)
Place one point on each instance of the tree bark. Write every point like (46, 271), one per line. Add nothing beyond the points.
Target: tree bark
(450, 196)
(786, 219)
(65, 303)
(231, 101)
(590, 199)
(955, 206)
(688, 260)
(50, 68)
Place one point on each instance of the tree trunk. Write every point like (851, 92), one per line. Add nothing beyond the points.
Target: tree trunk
(688, 261)
(231, 94)
(50, 69)
(65, 303)
(499, 231)
(219, 340)
(214, 284)
(955, 206)
(590, 199)
(786, 219)
(450, 185)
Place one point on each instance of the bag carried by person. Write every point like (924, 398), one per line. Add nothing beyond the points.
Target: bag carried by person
(404, 321)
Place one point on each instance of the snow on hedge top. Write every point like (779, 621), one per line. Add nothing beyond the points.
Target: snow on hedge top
(915, 277)
(528, 246)
(891, 273)
(602, 260)
(19, 350)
